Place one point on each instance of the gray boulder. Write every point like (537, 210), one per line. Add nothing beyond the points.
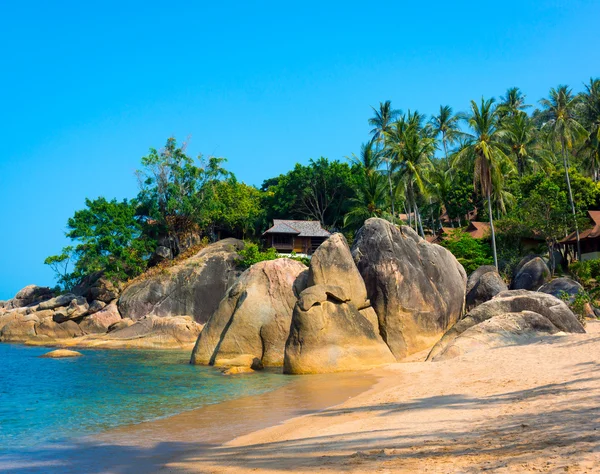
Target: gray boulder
(416, 288)
(332, 264)
(251, 324)
(503, 330)
(30, 295)
(483, 284)
(97, 287)
(193, 287)
(57, 302)
(52, 330)
(77, 308)
(18, 330)
(531, 275)
(550, 307)
(562, 285)
(329, 334)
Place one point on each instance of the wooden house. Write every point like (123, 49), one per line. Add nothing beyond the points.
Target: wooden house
(589, 239)
(297, 236)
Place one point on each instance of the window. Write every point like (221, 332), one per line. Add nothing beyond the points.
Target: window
(282, 239)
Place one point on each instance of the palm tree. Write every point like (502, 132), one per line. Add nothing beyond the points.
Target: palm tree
(412, 148)
(381, 123)
(371, 191)
(559, 112)
(484, 150)
(590, 119)
(512, 103)
(524, 142)
(446, 125)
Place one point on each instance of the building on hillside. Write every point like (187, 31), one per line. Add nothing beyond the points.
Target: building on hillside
(479, 230)
(288, 236)
(589, 239)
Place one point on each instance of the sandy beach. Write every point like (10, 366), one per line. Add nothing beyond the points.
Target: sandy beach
(532, 408)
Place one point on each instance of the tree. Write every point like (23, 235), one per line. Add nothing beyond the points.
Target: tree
(446, 124)
(526, 148)
(109, 238)
(60, 265)
(559, 112)
(512, 103)
(590, 120)
(381, 123)
(320, 190)
(371, 188)
(484, 150)
(412, 148)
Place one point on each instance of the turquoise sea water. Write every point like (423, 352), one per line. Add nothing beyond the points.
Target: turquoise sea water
(52, 400)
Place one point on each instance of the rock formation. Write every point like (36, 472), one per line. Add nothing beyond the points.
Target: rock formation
(251, 325)
(416, 288)
(555, 311)
(482, 285)
(193, 287)
(531, 275)
(329, 334)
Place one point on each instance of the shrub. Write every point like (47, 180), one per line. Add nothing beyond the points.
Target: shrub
(252, 254)
(578, 303)
(471, 253)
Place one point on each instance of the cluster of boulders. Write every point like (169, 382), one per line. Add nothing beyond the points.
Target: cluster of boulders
(164, 310)
(392, 295)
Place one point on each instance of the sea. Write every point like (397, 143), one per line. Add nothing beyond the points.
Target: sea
(51, 401)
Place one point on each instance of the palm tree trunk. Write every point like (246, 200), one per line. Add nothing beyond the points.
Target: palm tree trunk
(489, 200)
(389, 169)
(564, 152)
(417, 213)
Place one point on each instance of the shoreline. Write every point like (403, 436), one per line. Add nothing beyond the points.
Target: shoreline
(150, 445)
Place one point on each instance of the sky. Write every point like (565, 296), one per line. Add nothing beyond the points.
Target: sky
(86, 88)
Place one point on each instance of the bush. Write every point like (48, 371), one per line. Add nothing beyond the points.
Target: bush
(471, 253)
(578, 304)
(252, 254)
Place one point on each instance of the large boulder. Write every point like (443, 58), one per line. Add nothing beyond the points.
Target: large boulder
(332, 264)
(193, 287)
(18, 330)
(503, 330)
(49, 329)
(57, 302)
(30, 295)
(158, 332)
(560, 286)
(97, 287)
(483, 284)
(329, 334)
(77, 308)
(531, 275)
(548, 306)
(416, 288)
(100, 321)
(253, 320)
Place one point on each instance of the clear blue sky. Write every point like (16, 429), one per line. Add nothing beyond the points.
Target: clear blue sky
(86, 89)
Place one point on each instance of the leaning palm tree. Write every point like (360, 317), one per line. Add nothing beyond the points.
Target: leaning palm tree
(369, 200)
(559, 113)
(483, 150)
(590, 119)
(381, 122)
(527, 149)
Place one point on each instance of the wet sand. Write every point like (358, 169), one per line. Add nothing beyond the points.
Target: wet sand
(149, 446)
(517, 409)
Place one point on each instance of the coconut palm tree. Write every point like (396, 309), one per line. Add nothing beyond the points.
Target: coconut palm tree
(523, 140)
(412, 147)
(559, 114)
(381, 122)
(512, 103)
(446, 124)
(484, 151)
(590, 119)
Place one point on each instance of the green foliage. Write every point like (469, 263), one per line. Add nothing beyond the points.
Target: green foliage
(109, 238)
(470, 252)
(252, 254)
(321, 190)
(587, 272)
(578, 303)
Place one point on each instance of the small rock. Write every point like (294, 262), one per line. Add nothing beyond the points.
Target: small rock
(61, 354)
(237, 370)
